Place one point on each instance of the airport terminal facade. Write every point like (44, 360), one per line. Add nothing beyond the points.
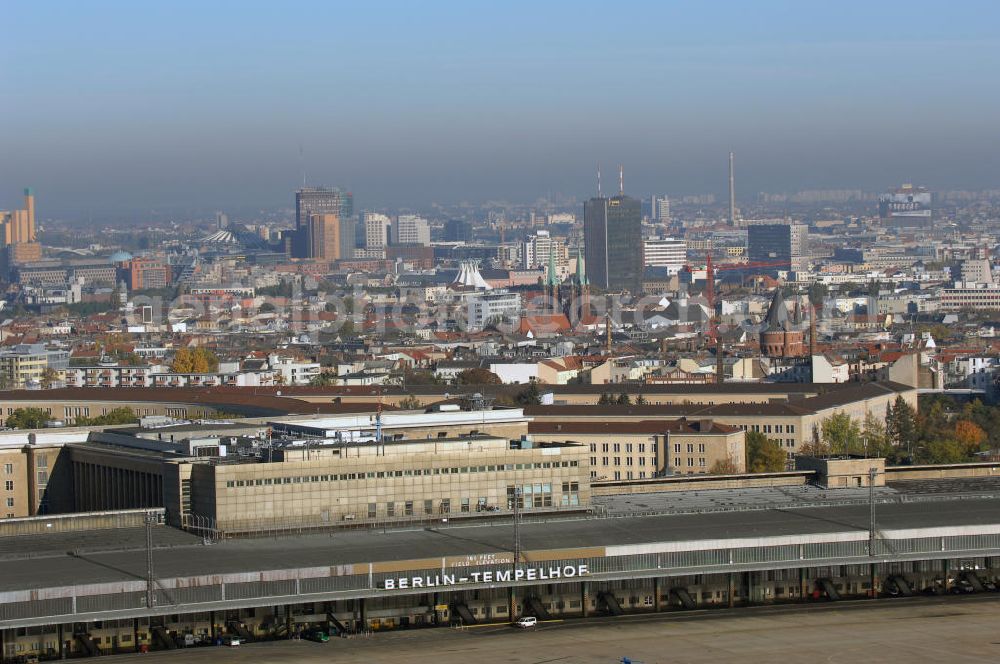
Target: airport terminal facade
(469, 575)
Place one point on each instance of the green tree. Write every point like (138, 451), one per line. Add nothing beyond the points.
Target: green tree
(641, 401)
(876, 441)
(529, 396)
(624, 399)
(763, 454)
(605, 400)
(419, 377)
(410, 402)
(28, 418)
(122, 415)
(841, 433)
(941, 450)
(324, 379)
(901, 426)
(817, 293)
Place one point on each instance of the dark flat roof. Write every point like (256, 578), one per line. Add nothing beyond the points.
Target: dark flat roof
(358, 547)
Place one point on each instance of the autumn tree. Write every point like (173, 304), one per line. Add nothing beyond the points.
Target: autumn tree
(763, 454)
(477, 376)
(970, 436)
(199, 360)
(49, 377)
(724, 467)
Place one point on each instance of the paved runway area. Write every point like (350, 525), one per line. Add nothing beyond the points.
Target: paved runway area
(954, 630)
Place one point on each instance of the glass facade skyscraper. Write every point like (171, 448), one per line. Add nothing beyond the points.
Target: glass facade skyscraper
(323, 200)
(612, 234)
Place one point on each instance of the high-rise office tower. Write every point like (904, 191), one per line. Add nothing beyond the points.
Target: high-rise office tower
(541, 250)
(376, 230)
(29, 207)
(457, 230)
(778, 246)
(670, 253)
(660, 208)
(732, 191)
(324, 233)
(612, 231)
(906, 206)
(320, 200)
(221, 221)
(411, 229)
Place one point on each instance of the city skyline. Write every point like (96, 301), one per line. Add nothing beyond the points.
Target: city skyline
(453, 103)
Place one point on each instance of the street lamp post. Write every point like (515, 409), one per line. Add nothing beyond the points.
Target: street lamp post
(150, 519)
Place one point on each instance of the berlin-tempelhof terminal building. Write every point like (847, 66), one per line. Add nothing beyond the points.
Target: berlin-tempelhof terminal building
(97, 591)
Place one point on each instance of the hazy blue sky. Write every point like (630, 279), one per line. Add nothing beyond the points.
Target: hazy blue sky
(135, 105)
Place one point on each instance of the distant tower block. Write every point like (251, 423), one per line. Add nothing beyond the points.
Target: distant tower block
(29, 207)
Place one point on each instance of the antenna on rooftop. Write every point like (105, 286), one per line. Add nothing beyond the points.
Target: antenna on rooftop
(598, 179)
(302, 164)
(621, 180)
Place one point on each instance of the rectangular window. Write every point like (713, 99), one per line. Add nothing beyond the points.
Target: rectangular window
(446, 506)
(372, 510)
(8, 468)
(42, 462)
(690, 448)
(10, 502)
(428, 507)
(9, 485)
(465, 505)
(408, 508)
(701, 447)
(390, 509)
(677, 448)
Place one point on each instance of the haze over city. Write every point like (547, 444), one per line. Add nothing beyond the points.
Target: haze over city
(123, 107)
(623, 333)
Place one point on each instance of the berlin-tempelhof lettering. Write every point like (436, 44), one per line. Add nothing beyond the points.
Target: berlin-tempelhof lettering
(489, 576)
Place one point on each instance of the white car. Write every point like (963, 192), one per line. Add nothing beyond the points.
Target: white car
(231, 641)
(526, 622)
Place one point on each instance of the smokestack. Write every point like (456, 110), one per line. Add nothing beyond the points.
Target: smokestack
(812, 329)
(732, 192)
